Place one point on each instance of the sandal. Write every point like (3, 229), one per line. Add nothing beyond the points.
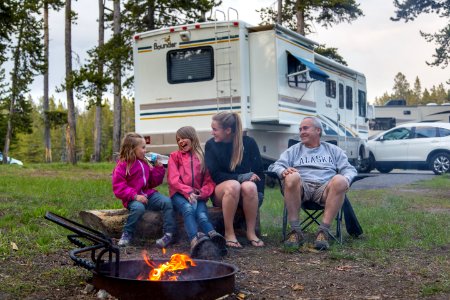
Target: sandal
(233, 244)
(257, 243)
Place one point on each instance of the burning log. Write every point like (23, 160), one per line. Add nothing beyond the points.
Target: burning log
(111, 222)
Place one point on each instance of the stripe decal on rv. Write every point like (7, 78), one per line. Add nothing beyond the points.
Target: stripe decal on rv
(202, 102)
(182, 113)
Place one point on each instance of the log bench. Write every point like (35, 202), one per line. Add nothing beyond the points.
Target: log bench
(111, 222)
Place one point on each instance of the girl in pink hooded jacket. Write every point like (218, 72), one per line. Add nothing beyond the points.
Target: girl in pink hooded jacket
(190, 187)
(133, 181)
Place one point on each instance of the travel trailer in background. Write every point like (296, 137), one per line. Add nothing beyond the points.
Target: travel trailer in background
(270, 75)
(389, 116)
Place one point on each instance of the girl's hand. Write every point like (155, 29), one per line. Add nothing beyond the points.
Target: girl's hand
(142, 199)
(193, 197)
(158, 163)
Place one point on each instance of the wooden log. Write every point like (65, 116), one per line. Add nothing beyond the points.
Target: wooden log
(149, 227)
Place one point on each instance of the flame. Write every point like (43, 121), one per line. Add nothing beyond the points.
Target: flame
(163, 250)
(169, 270)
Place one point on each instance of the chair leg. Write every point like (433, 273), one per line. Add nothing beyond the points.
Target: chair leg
(284, 222)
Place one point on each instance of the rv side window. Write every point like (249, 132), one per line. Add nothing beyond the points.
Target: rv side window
(298, 81)
(330, 88)
(348, 97)
(341, 96)
(190, 65)
(362, 103)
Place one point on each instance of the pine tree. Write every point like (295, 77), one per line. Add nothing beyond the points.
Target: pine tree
(27, 59)
(416, 92)
(299, 15)
(409, 10)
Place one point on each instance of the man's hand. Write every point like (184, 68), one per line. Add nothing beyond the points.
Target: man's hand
(289, 171)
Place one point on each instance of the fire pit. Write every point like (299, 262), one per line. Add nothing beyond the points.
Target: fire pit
(206, 280)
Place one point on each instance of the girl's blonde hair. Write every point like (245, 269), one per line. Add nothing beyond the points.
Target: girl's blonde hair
(127, 153)
(188, 132)
(232, 120)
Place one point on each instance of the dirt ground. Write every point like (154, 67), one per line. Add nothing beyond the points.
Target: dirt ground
(268, 273)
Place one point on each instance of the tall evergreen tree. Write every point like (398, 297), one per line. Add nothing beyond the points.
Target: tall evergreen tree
(409, 10)
(299, 15)
(401, 87)
(117, 79)
(416, 92)
(27, 59)
(55, 5)
(71, 117)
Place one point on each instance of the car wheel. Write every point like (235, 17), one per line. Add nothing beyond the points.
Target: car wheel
(384, 170)
(363, 165)
(440, 163)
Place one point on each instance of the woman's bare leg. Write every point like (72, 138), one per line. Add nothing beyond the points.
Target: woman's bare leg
(249, 195)
(226, 195)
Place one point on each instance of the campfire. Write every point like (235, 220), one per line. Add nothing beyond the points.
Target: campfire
(170, 270)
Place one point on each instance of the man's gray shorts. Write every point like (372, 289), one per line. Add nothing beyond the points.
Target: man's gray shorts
(313, 191)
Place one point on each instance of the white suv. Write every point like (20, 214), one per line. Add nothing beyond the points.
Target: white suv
(423, 146)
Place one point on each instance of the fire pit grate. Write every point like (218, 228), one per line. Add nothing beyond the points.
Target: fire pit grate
(206, 280)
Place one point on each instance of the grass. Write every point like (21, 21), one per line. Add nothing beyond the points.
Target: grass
(393, 220)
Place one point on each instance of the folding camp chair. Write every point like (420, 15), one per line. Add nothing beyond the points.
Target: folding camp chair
(313, 211)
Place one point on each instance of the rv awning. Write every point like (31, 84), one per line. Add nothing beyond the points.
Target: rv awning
(314, 71)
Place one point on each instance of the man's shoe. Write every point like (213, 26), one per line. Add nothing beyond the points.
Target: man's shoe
(322, 238)
(125, 239)
(294, 240)
(165, 241)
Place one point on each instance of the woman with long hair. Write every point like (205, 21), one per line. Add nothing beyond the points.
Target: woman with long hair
(234, 163)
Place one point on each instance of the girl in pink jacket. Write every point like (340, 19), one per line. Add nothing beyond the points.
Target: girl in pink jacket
(190, 187)
(133, 181)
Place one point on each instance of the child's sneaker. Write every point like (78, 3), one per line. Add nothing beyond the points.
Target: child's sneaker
(165, 241)
(219, 241)
(125, 239)
(198, 239)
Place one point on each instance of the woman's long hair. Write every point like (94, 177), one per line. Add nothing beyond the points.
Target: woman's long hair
(232, 120)
(188, 132)
(127, 149)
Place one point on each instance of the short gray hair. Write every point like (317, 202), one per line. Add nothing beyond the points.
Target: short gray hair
(316, 123)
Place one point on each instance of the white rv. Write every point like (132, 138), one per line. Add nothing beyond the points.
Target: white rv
(268, 74)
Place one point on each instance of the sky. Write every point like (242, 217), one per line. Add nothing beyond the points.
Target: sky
(373, 44)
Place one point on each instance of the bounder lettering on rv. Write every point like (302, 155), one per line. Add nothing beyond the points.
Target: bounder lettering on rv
(164, 46)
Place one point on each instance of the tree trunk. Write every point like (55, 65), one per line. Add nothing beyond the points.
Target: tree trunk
(70, 140)
(47, 141)
(280, 12)
(300, 14)
(151, 16)
(98, 106)
(14, 93)
(117, 85)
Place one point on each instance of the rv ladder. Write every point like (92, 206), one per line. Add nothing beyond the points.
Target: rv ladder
(222, 63)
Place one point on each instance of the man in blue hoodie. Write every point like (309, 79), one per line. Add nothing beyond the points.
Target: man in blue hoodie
(313, 171)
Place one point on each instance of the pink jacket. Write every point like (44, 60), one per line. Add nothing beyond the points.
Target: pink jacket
(184, 174)
(140, 180)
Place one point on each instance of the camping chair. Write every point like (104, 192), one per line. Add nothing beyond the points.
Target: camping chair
(313, 211)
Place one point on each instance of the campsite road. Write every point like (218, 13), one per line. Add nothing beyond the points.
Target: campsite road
(377, 180)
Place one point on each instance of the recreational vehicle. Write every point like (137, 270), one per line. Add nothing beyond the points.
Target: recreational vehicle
(389, 116)
(268, 74)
